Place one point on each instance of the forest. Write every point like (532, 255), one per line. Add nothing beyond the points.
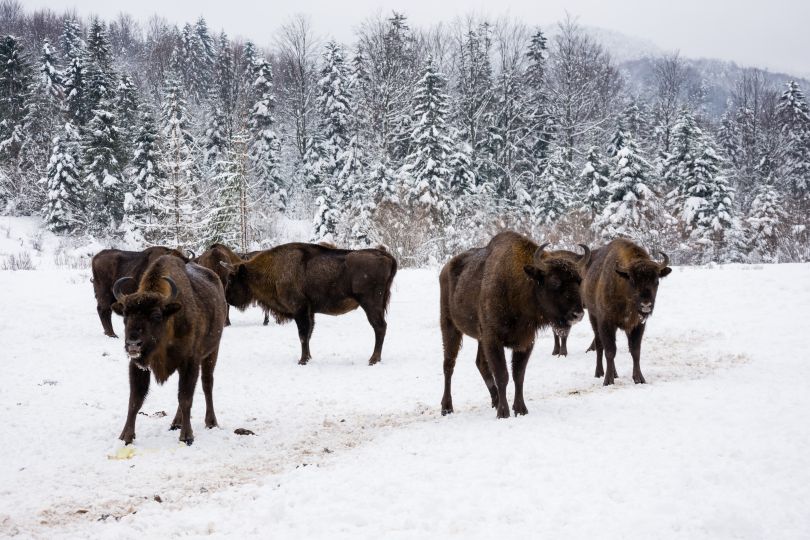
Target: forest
(426, 140)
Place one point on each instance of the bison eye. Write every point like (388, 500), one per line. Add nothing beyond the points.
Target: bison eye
(156, 317)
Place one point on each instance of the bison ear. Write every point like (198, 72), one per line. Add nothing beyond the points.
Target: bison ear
(534, 273)
(118, 308)
(665, 271)
(171, 308)
(623, 274)
(227, 266)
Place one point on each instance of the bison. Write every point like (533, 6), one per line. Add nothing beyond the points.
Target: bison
(561, 342)
(173, 322)
(296, 281)
(619, 290)
(109, 265)
(211, 259)
(501, 295)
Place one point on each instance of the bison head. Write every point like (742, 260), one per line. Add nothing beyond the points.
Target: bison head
(145, 315)
(642, 276)
(557, 283)
(237, 291)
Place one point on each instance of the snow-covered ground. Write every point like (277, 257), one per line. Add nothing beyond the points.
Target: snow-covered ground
(715, 446)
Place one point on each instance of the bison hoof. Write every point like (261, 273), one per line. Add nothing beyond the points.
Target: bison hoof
(555, 352)
(188, 440)
(520, 409)
(445, 412)
(174, 426)
(127, 437)
(563, 352)
(110, 334)
(503, 412)
(639, 379)
(210, 424)
(608, 381)
(373, 361)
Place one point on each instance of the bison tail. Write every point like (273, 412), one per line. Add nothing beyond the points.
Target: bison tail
(390, 281)
(592, 346)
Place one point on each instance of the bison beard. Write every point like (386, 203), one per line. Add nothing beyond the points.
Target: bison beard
(619, 290)
(296, 281)
(173, 322)
(110, 265)
(561, 342)
(501, 295)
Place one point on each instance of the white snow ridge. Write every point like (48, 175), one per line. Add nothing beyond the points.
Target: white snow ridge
(714, 446)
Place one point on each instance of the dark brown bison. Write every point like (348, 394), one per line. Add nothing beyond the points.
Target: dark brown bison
(211, 259)
(561, 342)
(619, 290)
(296, 281)
(109, 265)
(246, 257)
(173, 322)
(501, 295)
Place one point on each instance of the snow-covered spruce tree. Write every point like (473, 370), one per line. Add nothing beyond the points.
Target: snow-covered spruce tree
(552, 194)
(228, 83)
(103, 173)
(355, 194)
(538, 124)
(42, 119)
(474, 93)
(146, 177)
(728, 138)
(686, 143)
(178, 195)
(215, 143)
(100, 80)
(633, 210)
(427, 167)
(765, 222)
(333, 100)
(794, 118)
(75, 91)
(15, 85)
(264, 146)
(594, 180)
(126, 112)
(229, 221)
(63, 209)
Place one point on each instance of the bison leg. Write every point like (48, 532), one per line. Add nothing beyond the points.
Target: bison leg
(185, 396)
(105, 315)
(597, 346)
(563, 346)
(266, 318)
(634, 343)
(305, 321)
(177, 423)
(607, 337)
(208, 366)
(227, 315)
(497, 365)
(489, 380)
(138, 388)
(556, 350)
(451, 340)
(519, 361)
(376, 318)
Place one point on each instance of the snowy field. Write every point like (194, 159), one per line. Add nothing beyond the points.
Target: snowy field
(717, 445)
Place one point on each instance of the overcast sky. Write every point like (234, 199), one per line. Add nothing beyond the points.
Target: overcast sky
(772, 34)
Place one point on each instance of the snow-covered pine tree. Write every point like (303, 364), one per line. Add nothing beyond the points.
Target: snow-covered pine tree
(334, 101)
(178, 194)
(593, 181)
(264, 148)
(793, 114)
(765, 223)
(42, 119)
(229, 221)
(64, 207)
(99, 78)
(633, 210)
(147, 175)
(15, 85)
(126, 112)
(428, 166)
(552, 195)
(103, 173)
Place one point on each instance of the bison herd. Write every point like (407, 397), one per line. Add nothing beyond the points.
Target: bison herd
(175, 306)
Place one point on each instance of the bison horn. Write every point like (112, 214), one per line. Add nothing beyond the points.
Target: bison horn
(116, 290)
(173, 286)
(191, 254)
(538, 253)
(666, 259)
(227, 266)
(586, 255)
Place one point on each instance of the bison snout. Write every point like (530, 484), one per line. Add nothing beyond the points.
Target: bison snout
(576, 317)
(646, 307)
(133, 347)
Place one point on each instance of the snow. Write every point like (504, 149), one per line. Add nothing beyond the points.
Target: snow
(714, 446)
